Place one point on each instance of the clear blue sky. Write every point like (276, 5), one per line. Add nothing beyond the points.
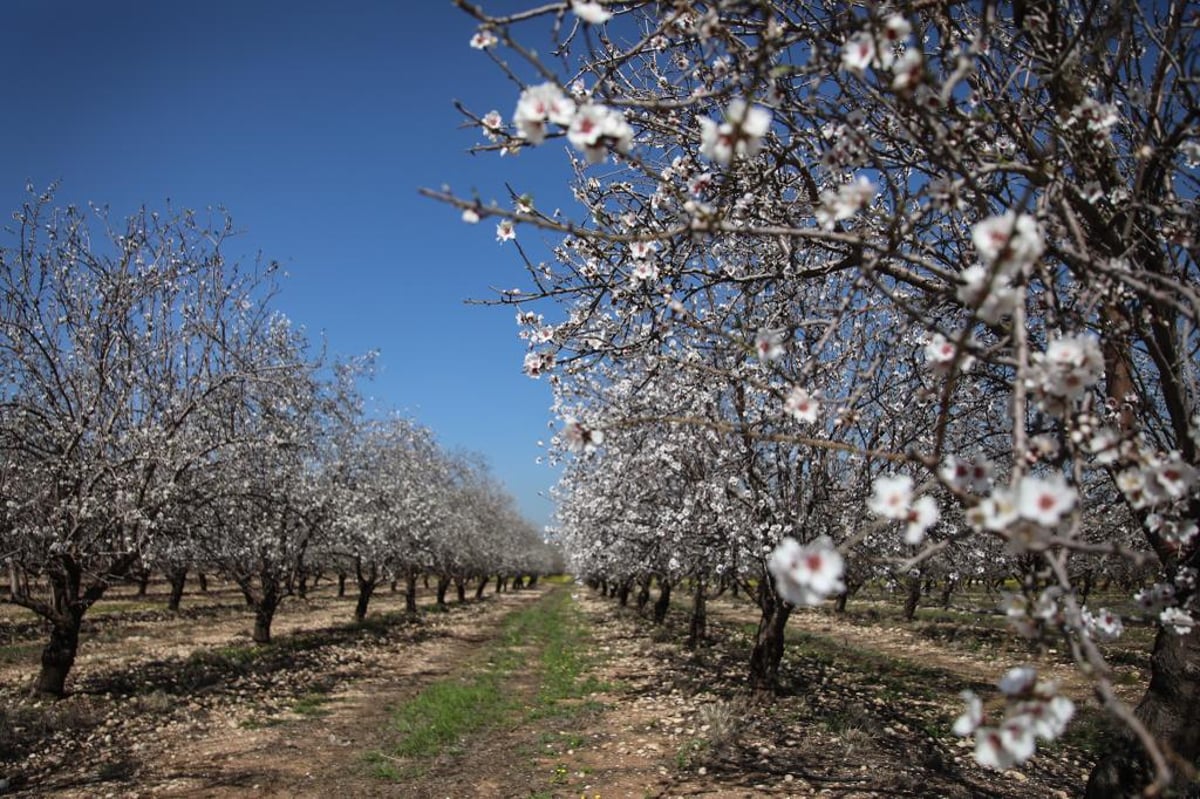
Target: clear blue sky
(313, 124)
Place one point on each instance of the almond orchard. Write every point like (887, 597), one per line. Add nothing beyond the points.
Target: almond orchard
(875, 293)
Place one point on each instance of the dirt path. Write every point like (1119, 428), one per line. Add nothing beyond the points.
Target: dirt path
(157, 718)
(322, 755)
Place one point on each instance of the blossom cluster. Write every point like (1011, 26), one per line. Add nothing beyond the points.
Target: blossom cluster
(806, 574)
(887, 48)
(892, 498)
(739, 136)
(1033, 710)
(593, 129)
(1036, 500)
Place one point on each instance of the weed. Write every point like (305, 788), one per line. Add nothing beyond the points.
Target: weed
(311, 705)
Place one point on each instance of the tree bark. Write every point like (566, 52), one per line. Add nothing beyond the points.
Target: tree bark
(698, 628)
(948, 589)
(913, 597)
(410, 591)
(342, 585)
(623, 592)
(58, 656)
(177, 577)
(365, 589)
(443, 584)
(460, 588)
(768, 641)
(643, 597)
(663, 604)
(265, 604)
(1169, 709)
(483, 581)
(367, 580)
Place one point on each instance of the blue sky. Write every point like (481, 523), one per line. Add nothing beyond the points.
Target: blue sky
(314, 124)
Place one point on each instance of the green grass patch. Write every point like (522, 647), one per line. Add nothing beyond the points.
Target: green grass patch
(446, 711)
(551, 635)
(312, 705)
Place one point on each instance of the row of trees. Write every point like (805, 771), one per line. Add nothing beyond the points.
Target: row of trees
(878, 289)
(157, 413)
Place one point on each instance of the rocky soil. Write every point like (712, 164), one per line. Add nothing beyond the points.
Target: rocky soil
(185, 706)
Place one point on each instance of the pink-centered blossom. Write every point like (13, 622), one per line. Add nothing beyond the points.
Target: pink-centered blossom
(1011, 239)
(891, 496)
(483, 39)
(802, 405)
(922, 515)
(858, 52)
(805, 575)
(768, 344)
(579, 437)
(739, 136)
(1045, 500)
(595, 129)
(538, 105)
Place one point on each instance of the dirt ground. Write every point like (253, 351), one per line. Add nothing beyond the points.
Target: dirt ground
(166, 707)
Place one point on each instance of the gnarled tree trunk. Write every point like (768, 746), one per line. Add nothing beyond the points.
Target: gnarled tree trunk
(768, 640)
(177, 578)
(410, 590)
(663, 603)
(367, 580)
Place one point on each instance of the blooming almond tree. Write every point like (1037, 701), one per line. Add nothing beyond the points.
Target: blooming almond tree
(987, 212)
(115, 354)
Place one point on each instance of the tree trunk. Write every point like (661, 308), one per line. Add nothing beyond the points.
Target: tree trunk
(202, 579)
(342, 585)
(302, 587)
(365, 589)
(443, 584)
(623, 592)
(913, 598)
(367, 580)
(177, 577)
(768, 641)
(948, 588)
(839, 605)
(518, 582)
(264, 605)
(1085, 589)
(664, 601)
(643, 597)
(483, 581)
(410, 591)
(533, 580)
(1170, 709)
(499, 581)
(698, 628)
(143, 581)
(58, 656)
(460, 588)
